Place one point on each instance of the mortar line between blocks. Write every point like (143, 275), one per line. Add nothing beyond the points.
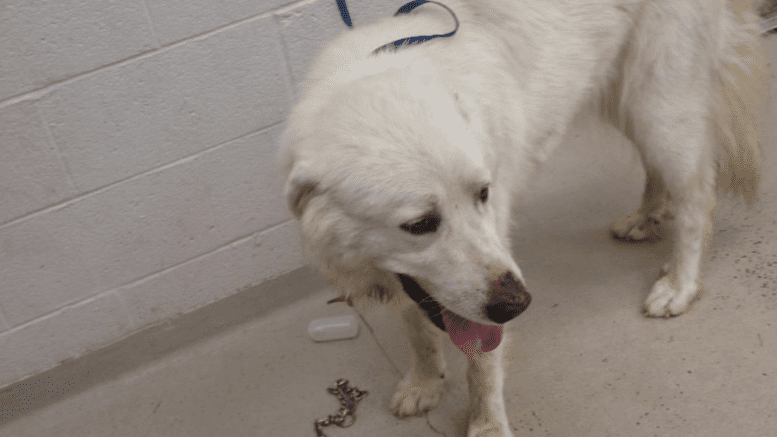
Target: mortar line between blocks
(39, 93)
(53, 313)
(81, 196)
(221, 248)
(290, 80)
(143, 279)
(154, 34)
(62, 160)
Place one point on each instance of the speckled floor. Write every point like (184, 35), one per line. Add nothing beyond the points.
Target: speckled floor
(583, 360)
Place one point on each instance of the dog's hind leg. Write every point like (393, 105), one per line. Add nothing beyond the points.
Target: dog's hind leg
(643, 224)
(678, 156)
(679, 184)
(667, 112)
(421, 388)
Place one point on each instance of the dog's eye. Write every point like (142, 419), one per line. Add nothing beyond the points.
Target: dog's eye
(427, 224)
(483, 196)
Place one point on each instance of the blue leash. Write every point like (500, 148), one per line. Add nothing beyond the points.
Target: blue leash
(403, 10)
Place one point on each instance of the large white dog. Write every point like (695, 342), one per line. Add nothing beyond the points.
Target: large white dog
(402, 165)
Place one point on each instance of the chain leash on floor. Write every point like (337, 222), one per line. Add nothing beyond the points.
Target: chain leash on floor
(349, 397)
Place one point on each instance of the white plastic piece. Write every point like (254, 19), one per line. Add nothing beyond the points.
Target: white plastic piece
(333, 328)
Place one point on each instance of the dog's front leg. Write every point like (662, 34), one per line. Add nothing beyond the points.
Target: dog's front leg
(421, 388)
(485, 378)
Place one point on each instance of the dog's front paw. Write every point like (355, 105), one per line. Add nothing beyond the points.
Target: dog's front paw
(416, 395)
(665, 301)
(487, 417)
(489, 430)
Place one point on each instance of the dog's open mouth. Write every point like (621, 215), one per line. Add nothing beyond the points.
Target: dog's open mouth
(464, 333)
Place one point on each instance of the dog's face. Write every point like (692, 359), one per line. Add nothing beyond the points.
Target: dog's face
(394, 194)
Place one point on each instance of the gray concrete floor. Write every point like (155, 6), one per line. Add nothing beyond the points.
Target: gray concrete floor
(583, 360)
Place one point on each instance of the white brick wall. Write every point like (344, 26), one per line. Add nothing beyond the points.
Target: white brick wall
(136, 161)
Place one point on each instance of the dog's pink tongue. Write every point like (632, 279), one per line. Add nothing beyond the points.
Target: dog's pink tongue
(465, 334)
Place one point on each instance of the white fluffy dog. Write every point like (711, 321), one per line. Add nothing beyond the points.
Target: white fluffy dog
(401, 165)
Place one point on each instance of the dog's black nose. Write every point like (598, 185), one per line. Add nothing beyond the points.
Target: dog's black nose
(508, 298)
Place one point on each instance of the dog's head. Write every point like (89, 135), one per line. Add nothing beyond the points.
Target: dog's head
(393, 193)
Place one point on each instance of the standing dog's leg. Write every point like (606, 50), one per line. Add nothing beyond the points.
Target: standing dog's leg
(672, 294)
(682, 158)
(682, 166)
(485, 378)
(666, 107)
(421, 388)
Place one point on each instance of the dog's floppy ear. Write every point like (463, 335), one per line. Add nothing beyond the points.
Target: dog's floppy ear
(298, 193)
(301, 186)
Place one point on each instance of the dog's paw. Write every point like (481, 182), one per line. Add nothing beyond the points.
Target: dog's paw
(666, 301)
(487, 416)
(416, 395)
(638, 226)
(501, 430)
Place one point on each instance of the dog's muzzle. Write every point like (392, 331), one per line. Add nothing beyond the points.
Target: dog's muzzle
(508, 298)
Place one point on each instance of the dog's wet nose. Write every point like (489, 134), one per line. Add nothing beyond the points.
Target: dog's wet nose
(508, 298)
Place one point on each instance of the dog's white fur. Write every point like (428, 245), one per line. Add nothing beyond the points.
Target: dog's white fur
(376, 141)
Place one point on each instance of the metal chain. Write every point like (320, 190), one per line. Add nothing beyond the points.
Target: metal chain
(349, 397)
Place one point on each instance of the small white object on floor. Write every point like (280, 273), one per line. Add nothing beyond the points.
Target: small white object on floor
(333, 328)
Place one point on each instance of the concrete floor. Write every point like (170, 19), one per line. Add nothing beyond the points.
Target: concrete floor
(583, 360)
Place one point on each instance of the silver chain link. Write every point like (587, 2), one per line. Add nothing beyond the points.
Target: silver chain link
(349, 397)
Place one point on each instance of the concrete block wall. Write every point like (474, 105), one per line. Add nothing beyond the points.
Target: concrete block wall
(136, 161)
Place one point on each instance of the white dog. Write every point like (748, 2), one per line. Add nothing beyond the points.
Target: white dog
(402, 165)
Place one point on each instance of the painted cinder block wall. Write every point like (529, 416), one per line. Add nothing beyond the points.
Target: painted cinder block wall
(137, 144)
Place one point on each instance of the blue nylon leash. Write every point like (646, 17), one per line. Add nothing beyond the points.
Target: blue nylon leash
(403, 10)
(344, 12)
